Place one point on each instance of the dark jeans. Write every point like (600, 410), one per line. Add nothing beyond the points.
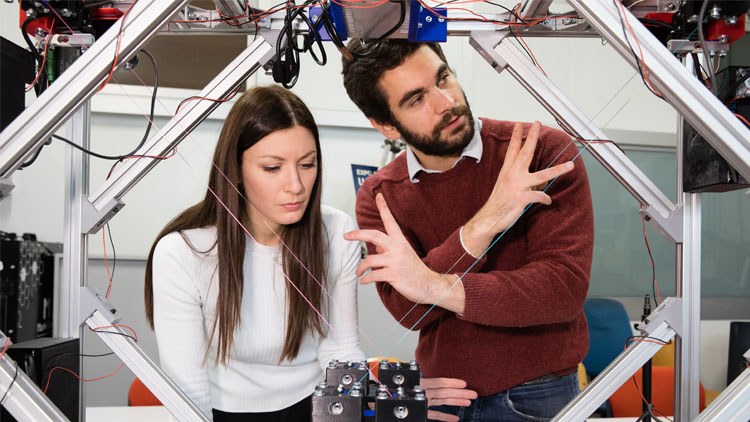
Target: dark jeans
(299, 412)
(526, 402)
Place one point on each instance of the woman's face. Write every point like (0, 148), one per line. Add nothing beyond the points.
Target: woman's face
(278, 174)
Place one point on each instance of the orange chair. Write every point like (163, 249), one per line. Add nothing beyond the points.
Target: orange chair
(627, 401)
(140, 395)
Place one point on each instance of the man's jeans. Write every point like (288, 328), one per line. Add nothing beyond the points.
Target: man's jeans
(533, 401)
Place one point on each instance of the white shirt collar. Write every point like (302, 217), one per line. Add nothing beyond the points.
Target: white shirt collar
(473, 150)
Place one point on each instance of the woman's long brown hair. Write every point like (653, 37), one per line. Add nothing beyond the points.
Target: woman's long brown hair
(258, 113)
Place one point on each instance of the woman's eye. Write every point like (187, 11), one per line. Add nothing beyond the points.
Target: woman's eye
(271, 168)
(308, 165)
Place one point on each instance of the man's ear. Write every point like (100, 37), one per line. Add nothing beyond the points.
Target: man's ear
(386, 130)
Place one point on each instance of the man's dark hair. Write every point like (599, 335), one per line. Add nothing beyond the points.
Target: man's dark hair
(362, 74)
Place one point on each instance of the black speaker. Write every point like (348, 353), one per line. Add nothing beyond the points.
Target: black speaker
(37, 358)
(26, 287)
(739, 343)
(18, 70)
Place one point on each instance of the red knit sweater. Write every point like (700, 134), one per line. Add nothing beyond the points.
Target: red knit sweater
(524, 300)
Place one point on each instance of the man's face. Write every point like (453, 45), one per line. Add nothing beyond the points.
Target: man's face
(430, 109)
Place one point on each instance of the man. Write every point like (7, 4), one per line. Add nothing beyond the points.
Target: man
(506, 317)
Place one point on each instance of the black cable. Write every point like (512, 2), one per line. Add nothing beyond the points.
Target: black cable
(702, 41)
(374, 45)
(286, 66)
(528, 53)
(311, 39)
(148, 127)
(656, 339)
(632, 50)
(41, 83)
(60, 356)
(114, 253)
(113, 332)
(327, 20)
(15, 375)
(654, 22)
(32, 159)
(518, 18)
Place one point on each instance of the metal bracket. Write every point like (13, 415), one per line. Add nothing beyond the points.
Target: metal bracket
(90, 302)
(670, 227)
(682, 47)
(144, 368)
(5, 187)
(613, 376)
(72, 40)
(93, 219)
(669, 312)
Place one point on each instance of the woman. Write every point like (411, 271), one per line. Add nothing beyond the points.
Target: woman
(246, 314)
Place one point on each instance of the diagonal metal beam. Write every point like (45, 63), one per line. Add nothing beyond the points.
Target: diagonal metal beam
(105, 202)
(20, 396)
(687, 95)
(666, 215)
(79, 82)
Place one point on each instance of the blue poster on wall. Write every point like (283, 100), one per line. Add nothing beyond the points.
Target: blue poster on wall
(360, 173)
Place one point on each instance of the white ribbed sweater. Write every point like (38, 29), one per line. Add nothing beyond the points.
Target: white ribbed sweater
(254, 380)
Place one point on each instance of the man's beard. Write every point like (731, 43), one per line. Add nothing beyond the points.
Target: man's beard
(434, 144)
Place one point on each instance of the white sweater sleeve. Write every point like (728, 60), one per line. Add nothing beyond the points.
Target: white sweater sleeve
(342, 340)
(179, 320)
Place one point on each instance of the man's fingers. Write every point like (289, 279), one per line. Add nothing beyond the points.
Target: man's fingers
(527, 150)
(452, 394)
(434, 415)
(450, 402)
(428, 383)
(372, 262)
(374, 276)
(389, 222)
(376, 237)
(515, 144)
(543, 176)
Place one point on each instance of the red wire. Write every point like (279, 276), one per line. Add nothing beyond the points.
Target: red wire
(7, 344)
(640, 51)
(744, 120)
(216, 100)
(49, 377)
(117, 49)
(95, 329)
(520, 38)
(44, 56)
(135, 335)
(106, 264)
